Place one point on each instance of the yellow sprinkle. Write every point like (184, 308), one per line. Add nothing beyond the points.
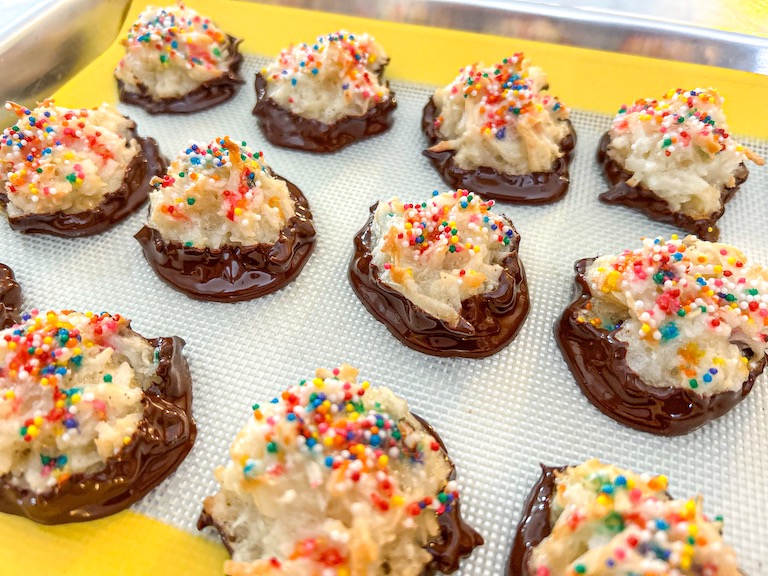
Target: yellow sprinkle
(604, 499)
(44, 381)
(365, 385)
(454, 239)
(476, 249)
(33, 431)
(674, 236)
(38, 421)
(126, 440)
(328, 441)
(383, 460)
(11, 345)
(645, 328)
(10, 394)
(238, 211)
(76, 351)
(68, 156)
(398, 500)
(718, 269)
(75, 398)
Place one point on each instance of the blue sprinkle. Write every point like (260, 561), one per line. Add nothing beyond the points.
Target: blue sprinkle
(707, 378)
(329, 461)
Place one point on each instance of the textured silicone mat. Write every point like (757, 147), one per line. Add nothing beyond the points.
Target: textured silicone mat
(499, 416)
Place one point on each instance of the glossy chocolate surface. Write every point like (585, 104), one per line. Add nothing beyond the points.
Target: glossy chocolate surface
(646, 201)
(115, 207)
(597, 359)
(457, 538)
(488, 321)
(234, 273)
(207, 95)
(163, 439)
(284, 128)
(10, 298)
(535, 525)
(534, 188)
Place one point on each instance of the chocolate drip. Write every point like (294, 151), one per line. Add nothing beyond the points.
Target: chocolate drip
(207, 95)
(457, 538)
(488, 322)
(234, 273)
(535, 524)
(597, 359)
(646, 201)
(115, 207)
(284, 128)
(164, 437)
(10, 298)
(534, 188)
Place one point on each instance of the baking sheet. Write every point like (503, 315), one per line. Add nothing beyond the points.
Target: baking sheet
(499, 416)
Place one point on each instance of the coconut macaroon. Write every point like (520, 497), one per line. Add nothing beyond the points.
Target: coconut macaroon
(492, 130)
(691, 320)
(177, 61)
(84, 427)
(337, 477)
(601, 519)
(220, 221)
(323, 96)
(73, 172)
(674, 160)
(447, 269)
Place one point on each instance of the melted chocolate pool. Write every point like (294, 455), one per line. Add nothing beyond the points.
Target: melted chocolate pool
(534, 188)
(457, 538)
(163, 439)
(488, 321)
(646, 201)
(10, 298)
(115, 207)
(206, 95)
(234, 273)
(284, 128)
(597, 359)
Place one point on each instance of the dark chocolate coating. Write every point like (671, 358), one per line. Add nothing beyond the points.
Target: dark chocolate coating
(646, 201)
(164, 437)
(598, 362)
(284, 128)
(234, 273)
(457, 538)
(534, 188)
(488, 321)
(10, 298)
(207, 95)
(535, 524)
(115, 207)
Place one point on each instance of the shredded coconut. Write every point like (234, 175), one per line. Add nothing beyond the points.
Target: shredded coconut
(332, 477)
(60, 160)
(440, 252)
(219, 194)
(679, 148)
(335, 78)
(612, 522)
(688, 309)
(71, 389)
(498, 117)
(171, 51)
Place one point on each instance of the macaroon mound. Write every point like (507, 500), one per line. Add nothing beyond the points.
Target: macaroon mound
(177, 61)
(494, 131)
(93, 415)
(223, 227)
(597, 518)
(73, 172)
(668, 336)
(673, 160)
(336, 477)
(324, 96)
(443, 275)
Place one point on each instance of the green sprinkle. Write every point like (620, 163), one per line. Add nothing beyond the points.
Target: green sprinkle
(580, 569)
(188, 244)
(108, 378)
(693, 383)
(190, 201)
(182, 174)
(271, 447)
(255, 407)
(216, 52)
(163, 58)
(72, 177)
(451, 249)
(681, 312)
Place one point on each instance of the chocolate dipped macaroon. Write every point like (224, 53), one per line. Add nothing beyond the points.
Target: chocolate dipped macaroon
(93, 415)
(325, 96)
(673, 160)
(177, 61)
(223, 227)
(444, 276)
(73, 173)
(338, 477)
(493, 130)
(596, 518)
(669, 336)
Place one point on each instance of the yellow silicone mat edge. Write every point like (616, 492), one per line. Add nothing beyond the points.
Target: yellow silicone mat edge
(130, 544)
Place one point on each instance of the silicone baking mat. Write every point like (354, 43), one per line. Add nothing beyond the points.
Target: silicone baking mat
(500, 416)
